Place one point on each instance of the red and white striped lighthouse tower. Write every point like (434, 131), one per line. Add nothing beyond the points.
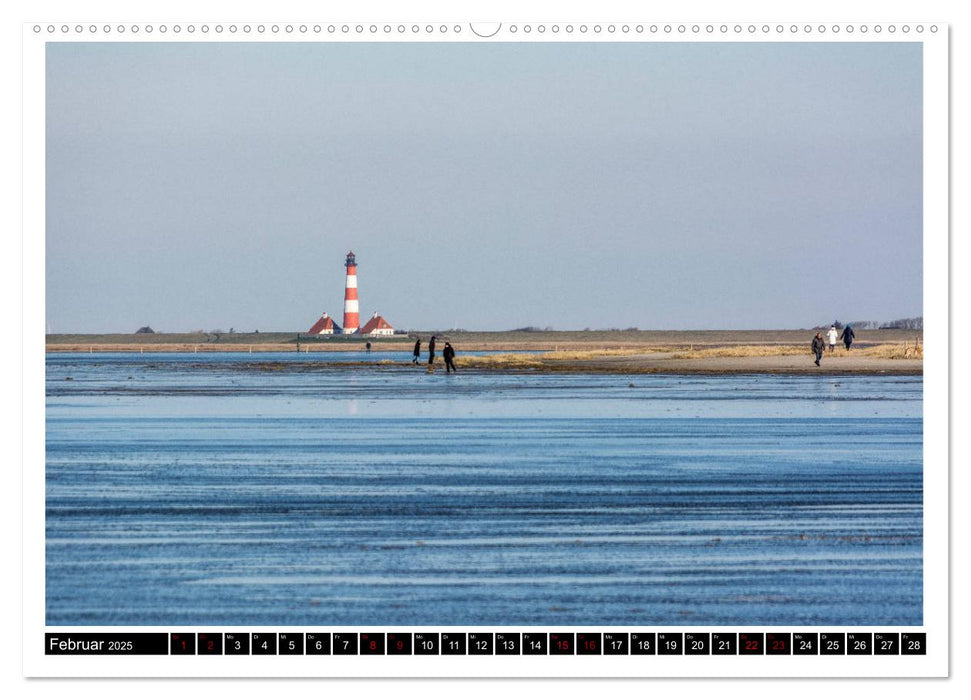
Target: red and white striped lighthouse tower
(352, 317)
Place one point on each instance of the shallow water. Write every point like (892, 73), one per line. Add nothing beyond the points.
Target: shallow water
(206, 489)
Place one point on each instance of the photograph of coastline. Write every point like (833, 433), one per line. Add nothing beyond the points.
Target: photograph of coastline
(675, 294)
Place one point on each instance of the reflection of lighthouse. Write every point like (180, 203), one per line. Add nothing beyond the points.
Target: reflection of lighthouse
(352, 318)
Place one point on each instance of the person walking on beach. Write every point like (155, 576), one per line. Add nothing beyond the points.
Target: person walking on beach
(448, 353)
(417, 352)
(847, 336)
(367, 347)
(818, 346)
(431, 351)
(831, 336)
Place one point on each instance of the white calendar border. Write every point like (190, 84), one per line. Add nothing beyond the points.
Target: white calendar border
(936, 312)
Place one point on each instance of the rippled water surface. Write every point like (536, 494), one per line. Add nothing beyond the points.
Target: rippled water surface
(263, 489)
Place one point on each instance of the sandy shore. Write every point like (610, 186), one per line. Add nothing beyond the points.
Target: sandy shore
(786, 364)
(670, 363)
(643, 363)
(640, 352)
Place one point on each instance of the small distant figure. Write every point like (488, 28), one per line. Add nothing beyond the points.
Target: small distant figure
(417, 352)
(367, 347)
(831, 335)
(818, 346)
(431, 351)
(847, 336)
(448, 354)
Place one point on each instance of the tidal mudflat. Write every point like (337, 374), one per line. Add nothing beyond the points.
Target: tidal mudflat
(186, 489)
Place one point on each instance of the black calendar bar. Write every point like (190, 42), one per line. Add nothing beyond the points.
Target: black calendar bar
(509, 643)
(318, 643)
(291, 643)
(670, 643)
(724, 644)
(399, 643)
(237, 644)
(697, 643)
(805, 643)
(99, 644)
(751, 643)
(643, 643)
(616, 643)
(263, 643)
(562, 643)
(778, 643)
(183, 643)
(210, 643)
(427, 643)
(481, 643)
(912, 643)
(535, 644)
(886, 643)
(589, 643)
(453, 644)
(372, 643)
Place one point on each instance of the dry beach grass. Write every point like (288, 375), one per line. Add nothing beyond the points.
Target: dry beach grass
(889, 351)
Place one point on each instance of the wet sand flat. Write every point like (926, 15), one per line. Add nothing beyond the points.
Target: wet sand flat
(219, 489)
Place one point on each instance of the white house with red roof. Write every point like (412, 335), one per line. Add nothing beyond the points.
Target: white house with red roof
(324, 326)
(376, 325)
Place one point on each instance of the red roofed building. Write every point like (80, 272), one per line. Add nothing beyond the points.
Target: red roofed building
(376, 326)
(325, 326)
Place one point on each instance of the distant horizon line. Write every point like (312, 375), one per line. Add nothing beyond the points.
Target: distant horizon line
(466, 330)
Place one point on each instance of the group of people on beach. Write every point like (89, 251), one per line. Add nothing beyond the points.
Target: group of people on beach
(819, 344)
(448, 354)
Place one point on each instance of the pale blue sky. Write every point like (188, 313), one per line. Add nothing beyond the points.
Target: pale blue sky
(483, 186)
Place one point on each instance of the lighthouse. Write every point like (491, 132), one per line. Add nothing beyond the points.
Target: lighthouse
(375, 326)
(352, 318)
